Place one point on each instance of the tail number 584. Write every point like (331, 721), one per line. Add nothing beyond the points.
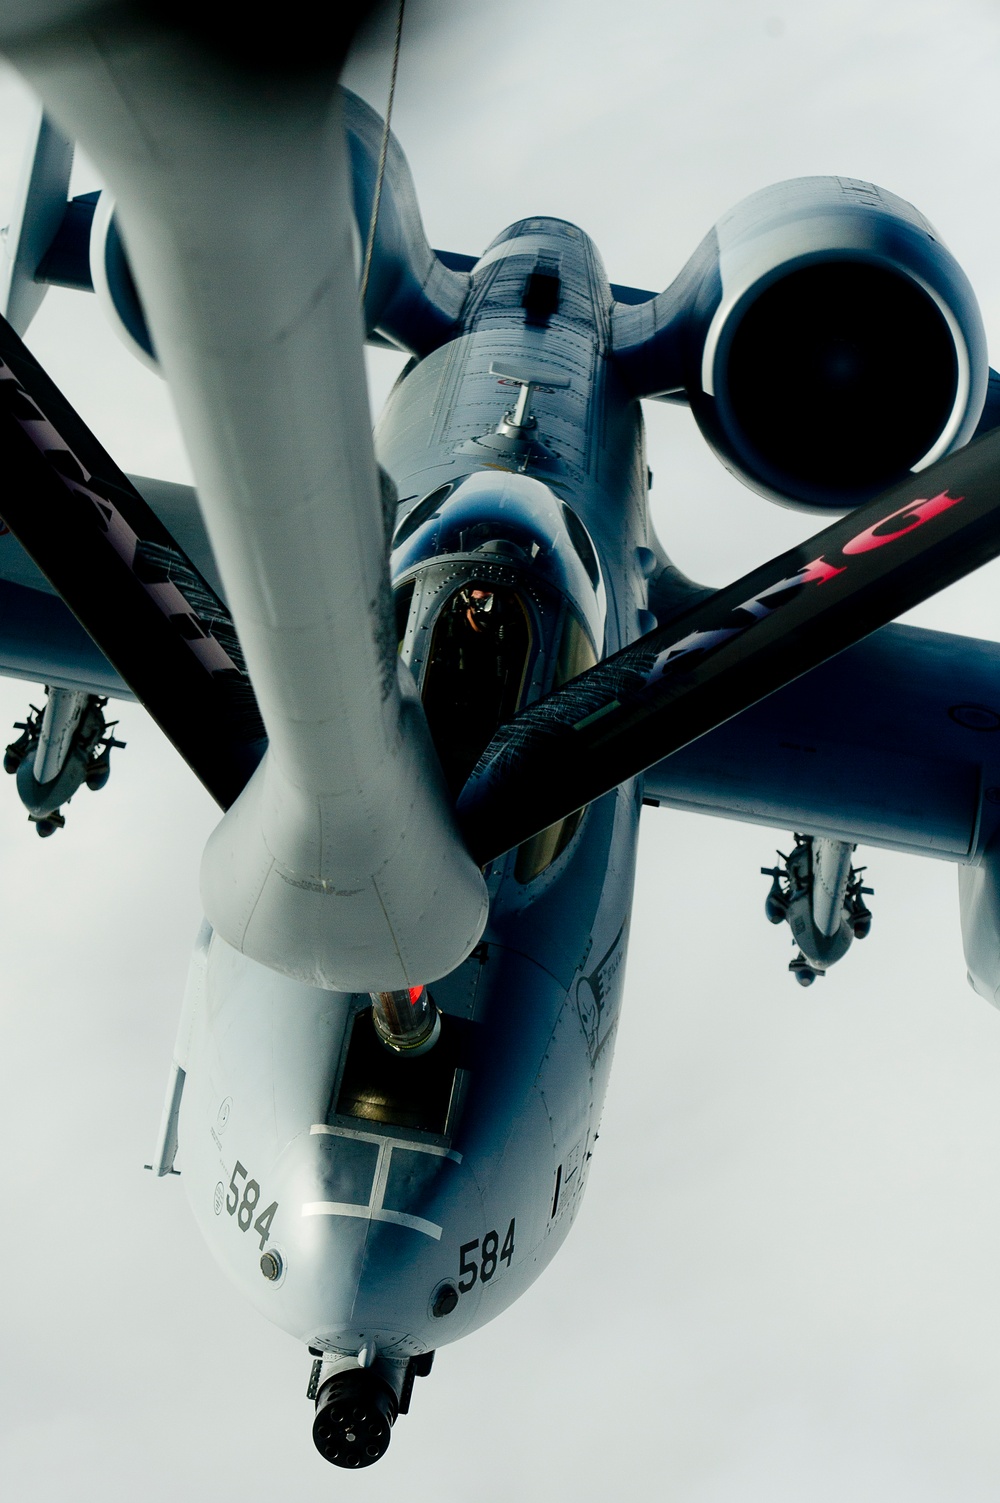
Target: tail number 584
(483, 1268)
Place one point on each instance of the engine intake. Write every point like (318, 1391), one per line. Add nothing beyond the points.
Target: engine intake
(845, 349)
(827, 340)
(844, 376)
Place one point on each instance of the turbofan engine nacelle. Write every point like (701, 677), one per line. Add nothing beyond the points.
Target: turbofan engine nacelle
(830, 344)
(845, 347)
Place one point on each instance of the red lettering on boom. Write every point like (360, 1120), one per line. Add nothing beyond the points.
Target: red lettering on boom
(770, 600)
(818, 572)
(918, 512)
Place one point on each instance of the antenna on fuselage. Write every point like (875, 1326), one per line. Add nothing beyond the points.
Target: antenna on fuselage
(518, 421)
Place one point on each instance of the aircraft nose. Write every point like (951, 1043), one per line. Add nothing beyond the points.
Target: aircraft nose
(361, 1247)
(312, 1265)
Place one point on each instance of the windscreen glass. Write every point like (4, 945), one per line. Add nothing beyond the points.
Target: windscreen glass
(475, 672)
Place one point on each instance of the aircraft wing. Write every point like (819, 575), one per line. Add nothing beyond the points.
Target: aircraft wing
(40, 638)
(892, 743)
(42, 641)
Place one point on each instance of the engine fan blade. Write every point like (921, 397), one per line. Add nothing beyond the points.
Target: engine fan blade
(688, 676)
(124, 577)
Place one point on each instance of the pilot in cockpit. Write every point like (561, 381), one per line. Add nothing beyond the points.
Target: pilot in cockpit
(477, 665)
(479, 605)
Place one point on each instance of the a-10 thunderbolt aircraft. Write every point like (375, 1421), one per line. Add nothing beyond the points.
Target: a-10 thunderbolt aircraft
(431, 680)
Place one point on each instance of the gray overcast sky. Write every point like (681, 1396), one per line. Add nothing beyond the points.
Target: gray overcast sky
(783, 1284)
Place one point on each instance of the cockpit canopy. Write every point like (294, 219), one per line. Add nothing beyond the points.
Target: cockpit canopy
(499, 599)
(510, 519)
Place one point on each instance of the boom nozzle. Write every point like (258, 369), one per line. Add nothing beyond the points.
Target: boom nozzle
(407, 1022)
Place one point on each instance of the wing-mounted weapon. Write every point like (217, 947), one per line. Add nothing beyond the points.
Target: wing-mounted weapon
(60, 749)
(818, 893)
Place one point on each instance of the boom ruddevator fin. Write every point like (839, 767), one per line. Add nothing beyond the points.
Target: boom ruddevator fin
(732, 649)
(129, 584)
